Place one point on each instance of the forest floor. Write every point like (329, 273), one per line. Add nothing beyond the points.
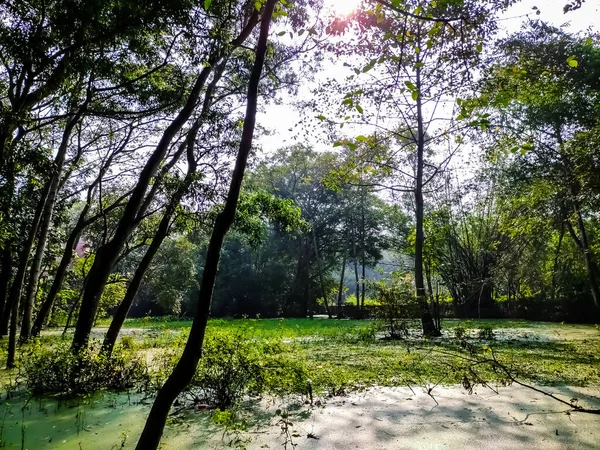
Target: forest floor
(369, 392)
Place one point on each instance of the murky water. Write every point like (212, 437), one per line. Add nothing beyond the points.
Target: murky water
(102, 422)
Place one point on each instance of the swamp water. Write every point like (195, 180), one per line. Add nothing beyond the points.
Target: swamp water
(101, 422)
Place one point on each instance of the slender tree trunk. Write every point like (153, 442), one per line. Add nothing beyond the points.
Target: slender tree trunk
(59, 277)
(14, 296)
(185, 368)
(294, 297)
(340, 308)
(44, 228)
(582, 242)
(357, 279)
(426, 318)
(6, 275)
(161, 233)
(363, 249)
(555, 265)
(108, 254)
(320, 269)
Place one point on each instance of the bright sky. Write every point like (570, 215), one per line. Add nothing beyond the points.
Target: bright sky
(281, 118)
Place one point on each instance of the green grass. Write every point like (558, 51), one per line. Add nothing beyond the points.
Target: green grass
(337, 356)
(342, 354)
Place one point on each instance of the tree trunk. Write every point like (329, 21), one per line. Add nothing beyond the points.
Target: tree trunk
(59, 277)
(320, 269)
(426, 318)
(294, 298)
(14, 296)
(161, 233)
(582, 242)
(71, 245)
(357, 279)
(363, 250)
(185, 368)
(6, 275)
(340, 308)
(44, 228)
(108, 254)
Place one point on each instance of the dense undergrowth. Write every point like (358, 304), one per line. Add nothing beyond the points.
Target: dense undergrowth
(305, 357)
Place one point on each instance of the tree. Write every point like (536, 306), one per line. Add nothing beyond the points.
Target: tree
(108, 253)
(185, 368)
(546, 89)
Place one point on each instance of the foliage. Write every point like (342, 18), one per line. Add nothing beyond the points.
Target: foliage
(56, 370)
(233, 365)
(397, 304)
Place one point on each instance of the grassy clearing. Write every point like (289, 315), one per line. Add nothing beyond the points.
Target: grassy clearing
(343, 354)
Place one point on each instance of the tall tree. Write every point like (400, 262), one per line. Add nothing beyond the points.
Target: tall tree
(185, 368)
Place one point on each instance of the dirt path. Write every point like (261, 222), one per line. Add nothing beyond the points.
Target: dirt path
(396, 418)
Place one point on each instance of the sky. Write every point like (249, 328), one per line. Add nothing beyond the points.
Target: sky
(281, 118)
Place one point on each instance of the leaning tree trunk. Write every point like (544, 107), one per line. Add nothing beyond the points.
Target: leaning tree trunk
(17, 286)
(6, 275)
(582, 242)
(426, 317)
(108, 254)
(44, 228)
(161, 233)
(71, 244)
(185, 368)
(59, 277)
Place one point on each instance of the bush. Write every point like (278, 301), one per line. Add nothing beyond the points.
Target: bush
(56, 370)
(486, 333)
(397, 305)
(460, 332)
(233, 365)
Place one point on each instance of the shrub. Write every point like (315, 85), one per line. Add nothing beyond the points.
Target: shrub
(56, 370)
(233, 365)
(460, 332)
(397, 304)
(486, 333)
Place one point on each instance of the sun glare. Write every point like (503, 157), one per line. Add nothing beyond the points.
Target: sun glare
(342, 7)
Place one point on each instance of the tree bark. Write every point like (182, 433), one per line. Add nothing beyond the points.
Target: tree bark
(14, 297)
(161, 233)
(340, 309)
(363, 261)
(582, 242)
(185, 368)
(44, 228)
(320, 269)
(355, 257)
(107, 255)
(6, 275)
(426, 317)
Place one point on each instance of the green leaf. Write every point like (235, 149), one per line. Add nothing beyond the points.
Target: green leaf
(258, 5)
(321, 117)
(572, 62)
(479, 48)
(281, 33)
(415, 95)
(207, 4)
(359, 109)
(410, 85)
